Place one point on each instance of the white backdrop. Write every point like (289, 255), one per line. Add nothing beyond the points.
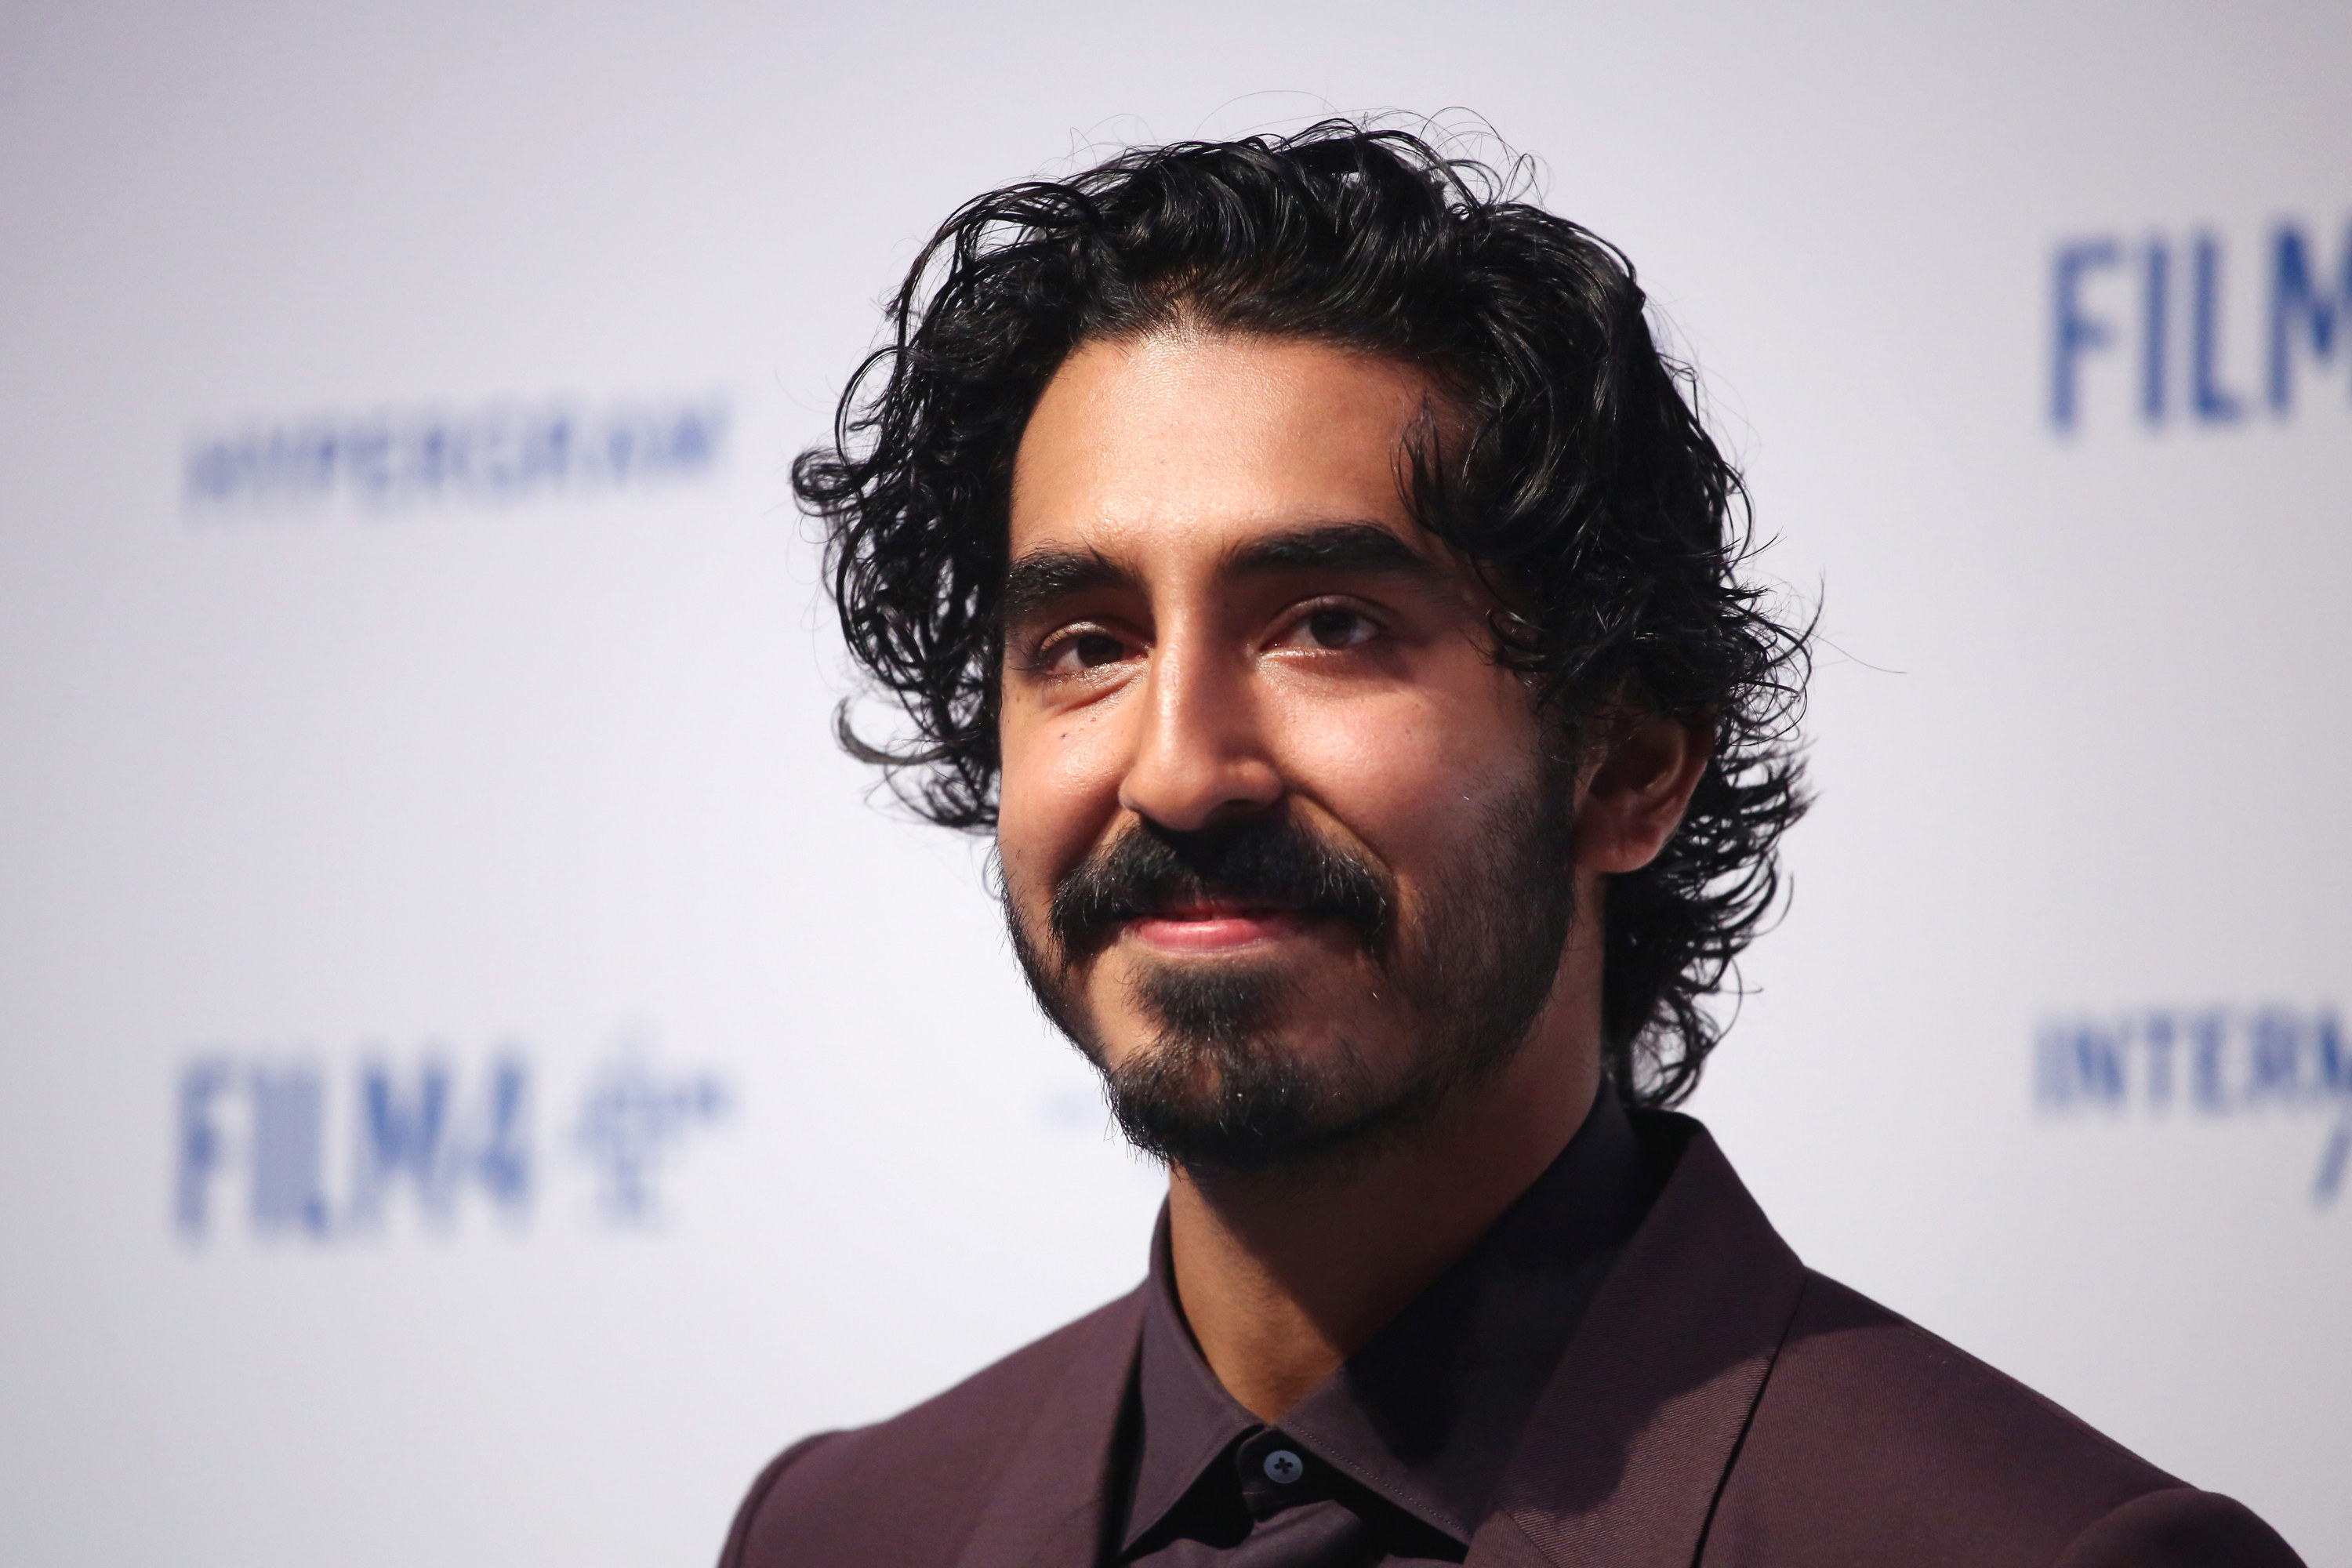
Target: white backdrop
(477, 1074)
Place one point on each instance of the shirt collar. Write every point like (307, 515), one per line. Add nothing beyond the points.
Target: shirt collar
(1428, 1412)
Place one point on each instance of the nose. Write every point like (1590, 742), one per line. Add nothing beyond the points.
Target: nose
(1201, 760)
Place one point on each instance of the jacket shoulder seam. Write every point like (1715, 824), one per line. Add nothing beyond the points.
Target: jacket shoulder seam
(739, 1537)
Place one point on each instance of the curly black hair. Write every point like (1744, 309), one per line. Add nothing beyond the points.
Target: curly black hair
(1583, 483)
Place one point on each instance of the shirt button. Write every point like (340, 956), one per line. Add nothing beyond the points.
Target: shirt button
(1283, 1467)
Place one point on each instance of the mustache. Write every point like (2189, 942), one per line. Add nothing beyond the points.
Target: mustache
(1272, 862)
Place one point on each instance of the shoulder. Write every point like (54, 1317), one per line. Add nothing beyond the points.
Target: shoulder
(903, 1490)
(1874, 1441)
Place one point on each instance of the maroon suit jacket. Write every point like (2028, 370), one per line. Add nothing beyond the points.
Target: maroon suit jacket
(1719, 1405)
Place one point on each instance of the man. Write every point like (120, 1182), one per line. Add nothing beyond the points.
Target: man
(1301, 557)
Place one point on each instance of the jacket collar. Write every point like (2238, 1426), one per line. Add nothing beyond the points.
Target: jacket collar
(1628, 1449)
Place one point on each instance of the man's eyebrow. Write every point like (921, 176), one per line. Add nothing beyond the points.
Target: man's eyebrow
(1330, 547)
(1042, 577)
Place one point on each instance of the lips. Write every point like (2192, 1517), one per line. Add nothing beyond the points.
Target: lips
(1215, 926)
(1213, 907)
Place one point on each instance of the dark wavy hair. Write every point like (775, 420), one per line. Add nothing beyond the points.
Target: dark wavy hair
(1580, 481)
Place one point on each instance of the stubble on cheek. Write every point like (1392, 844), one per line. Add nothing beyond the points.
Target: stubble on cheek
(1087, 997)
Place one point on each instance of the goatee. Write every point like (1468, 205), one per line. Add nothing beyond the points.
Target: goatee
(1220, 1088)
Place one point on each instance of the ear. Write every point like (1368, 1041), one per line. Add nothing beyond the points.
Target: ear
(1635, 795)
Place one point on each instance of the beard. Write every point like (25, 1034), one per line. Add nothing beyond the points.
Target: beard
(1220, 1088)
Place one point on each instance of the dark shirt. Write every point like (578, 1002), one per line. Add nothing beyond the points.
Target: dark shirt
(1392, 1458)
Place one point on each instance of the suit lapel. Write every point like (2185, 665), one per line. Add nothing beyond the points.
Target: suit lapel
(1629, 1442)
(1045, 1508)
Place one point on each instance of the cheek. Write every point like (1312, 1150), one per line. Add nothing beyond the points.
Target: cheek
(1407, 768)
(1057, 792)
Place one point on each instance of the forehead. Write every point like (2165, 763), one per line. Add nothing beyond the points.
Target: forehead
(1183, 445)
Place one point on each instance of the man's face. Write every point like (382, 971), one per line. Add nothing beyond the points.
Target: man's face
(1283, 848)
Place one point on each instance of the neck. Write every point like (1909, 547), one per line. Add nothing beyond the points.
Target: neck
(1284, 1275)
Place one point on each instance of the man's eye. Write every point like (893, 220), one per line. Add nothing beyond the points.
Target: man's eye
(1089, 650)
(1334, 626)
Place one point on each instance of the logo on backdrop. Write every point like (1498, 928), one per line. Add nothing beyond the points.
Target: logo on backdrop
(502, 454)
(2210, 1062)
(292, 1142)
(2157, 309)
